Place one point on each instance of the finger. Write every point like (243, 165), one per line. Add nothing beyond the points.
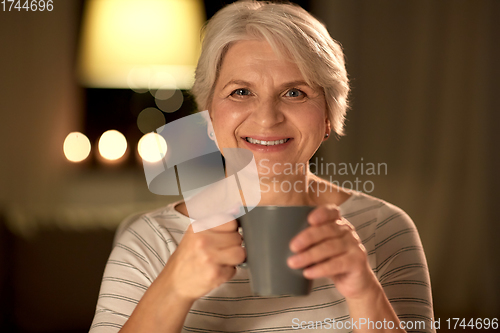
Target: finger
(209, 241)
(316, 234)
(328, 268)
(231, 256)
(230, 226)
(344, 221)
(217, 275)
(215, 223)
(227, 273)
(225, 240)
(355, 260)
(324, 214)
(327, 249)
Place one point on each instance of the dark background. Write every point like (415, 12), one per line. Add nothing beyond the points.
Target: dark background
(424, 100)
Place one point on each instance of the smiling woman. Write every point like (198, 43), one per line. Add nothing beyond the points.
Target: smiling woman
(274, 83)
(261, 98)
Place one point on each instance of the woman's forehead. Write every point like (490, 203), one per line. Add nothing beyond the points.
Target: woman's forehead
(251, 59)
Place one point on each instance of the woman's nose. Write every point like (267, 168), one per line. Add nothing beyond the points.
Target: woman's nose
(268, 113)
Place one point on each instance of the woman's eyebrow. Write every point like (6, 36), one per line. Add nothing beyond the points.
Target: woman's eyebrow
(295, 83)
(249, 84)
(238, 82)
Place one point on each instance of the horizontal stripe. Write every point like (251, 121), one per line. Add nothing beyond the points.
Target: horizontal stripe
(106, 324)
(158, 233)
(173, 230)
(128, 265)
(409, 300)
(399, 269)
(364, 210)
(268, 313)
(120, 297)
(366, 224)
(394, 236)
(119, 280)
(266, 329)
(405, 282)
(387, 220)
(147, 245)
(106, 311)
(256, 298)
(394, 255)
(129, 249)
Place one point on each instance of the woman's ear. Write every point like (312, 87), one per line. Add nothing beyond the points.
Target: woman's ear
(328, 129)
(210, 128)
(211, 133)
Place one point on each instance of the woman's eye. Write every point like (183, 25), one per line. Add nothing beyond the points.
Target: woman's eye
(241, 92)
(294, 93)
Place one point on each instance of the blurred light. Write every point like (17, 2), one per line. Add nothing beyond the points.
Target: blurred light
(152, 147)
(126, 42)
(163, 94)
(162, 85)
(112, 145)
(76, 147)
(138, 78)
(171, 104)
(150, 119)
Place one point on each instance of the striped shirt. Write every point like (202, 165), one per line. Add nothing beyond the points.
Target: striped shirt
(390, 237)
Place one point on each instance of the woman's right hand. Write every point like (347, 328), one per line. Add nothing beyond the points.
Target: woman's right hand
(204, 260)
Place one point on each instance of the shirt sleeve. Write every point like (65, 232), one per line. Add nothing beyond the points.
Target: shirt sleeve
(135, 261)
(402, 269)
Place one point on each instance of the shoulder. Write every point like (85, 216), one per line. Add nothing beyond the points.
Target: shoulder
(381, 226)
(361, 207)
(387, 232)
(153, 235)
(165, 218)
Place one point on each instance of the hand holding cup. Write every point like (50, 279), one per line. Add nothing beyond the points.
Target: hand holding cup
(330, 247)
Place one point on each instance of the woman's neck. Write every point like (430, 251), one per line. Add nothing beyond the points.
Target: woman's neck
(299, 189)
(284, 190)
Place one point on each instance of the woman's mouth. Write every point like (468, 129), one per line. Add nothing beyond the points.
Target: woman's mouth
(266, 143)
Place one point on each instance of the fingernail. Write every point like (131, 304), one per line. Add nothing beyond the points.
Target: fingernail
(308, 273)
(295, 245)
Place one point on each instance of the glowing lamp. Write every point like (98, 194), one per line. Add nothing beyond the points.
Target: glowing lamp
(149, 44)
(152, 147)
(76, 147)
(112, 145)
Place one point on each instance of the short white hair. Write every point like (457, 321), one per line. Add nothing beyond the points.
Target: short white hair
(292, 32)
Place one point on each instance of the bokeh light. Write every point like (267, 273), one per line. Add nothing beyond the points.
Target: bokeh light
(138, 78)
(163, 94)
(112, 145)
(162, 85)
(150, 119)
(76, 147)
(171, 104)
(152, 147)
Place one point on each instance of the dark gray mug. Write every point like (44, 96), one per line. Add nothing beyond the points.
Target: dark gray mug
(267, 232)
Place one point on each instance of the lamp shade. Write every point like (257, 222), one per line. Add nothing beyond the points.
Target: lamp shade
(148, 44)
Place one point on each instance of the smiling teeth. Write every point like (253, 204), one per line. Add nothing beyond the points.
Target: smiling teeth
(266, 143)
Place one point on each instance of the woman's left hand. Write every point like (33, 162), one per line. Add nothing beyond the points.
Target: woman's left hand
(330, 247)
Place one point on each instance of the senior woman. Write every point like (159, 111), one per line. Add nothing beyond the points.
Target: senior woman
(273, 82)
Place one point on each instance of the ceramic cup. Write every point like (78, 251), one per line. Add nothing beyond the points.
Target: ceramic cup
(267, 232)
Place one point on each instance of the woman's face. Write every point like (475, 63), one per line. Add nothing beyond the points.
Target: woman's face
(261, 102)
